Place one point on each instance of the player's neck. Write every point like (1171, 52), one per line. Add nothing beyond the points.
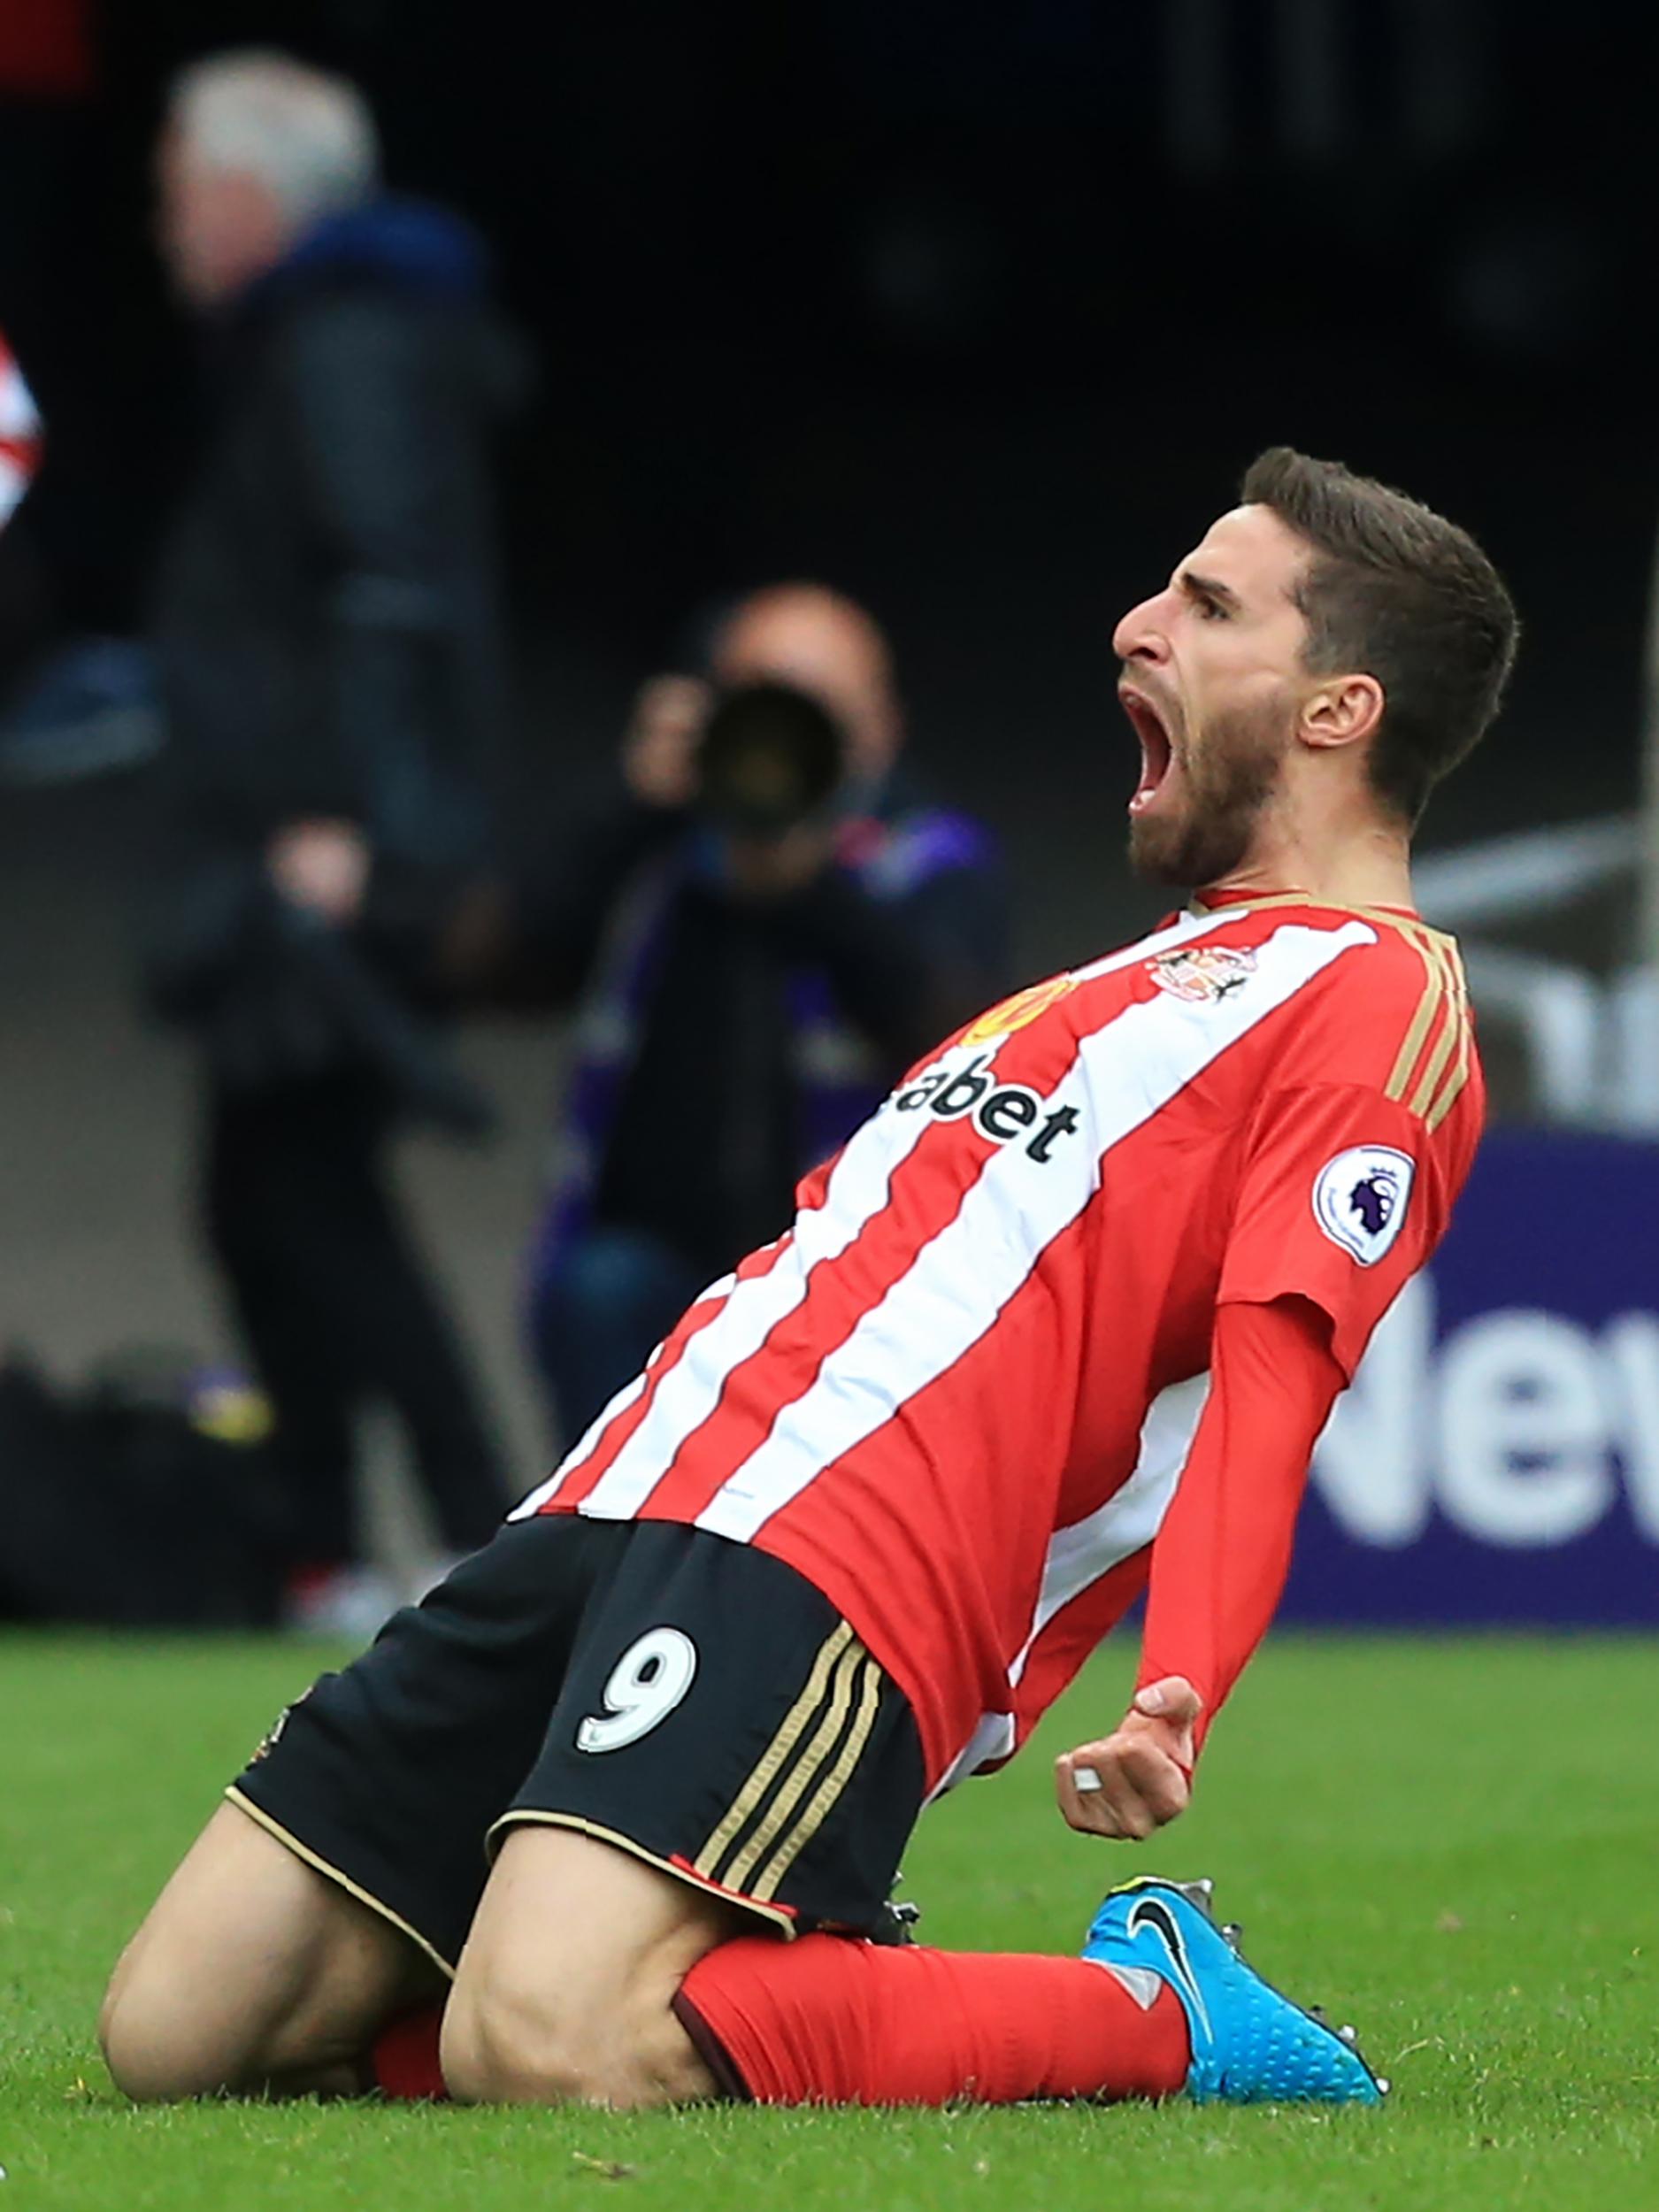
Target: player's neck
(1358, 864)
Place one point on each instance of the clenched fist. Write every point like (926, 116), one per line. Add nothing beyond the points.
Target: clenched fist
(1141, 1775)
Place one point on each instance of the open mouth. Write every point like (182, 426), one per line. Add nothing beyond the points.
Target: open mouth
(1157, 750)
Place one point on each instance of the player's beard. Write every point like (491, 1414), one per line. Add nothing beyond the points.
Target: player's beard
(1229, 779)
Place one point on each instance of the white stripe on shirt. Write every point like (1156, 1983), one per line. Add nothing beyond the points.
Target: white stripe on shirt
(857, 1191)
(961, 1279)
(1085, 1551)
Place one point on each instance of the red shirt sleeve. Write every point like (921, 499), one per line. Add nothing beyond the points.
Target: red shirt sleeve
(1343, 1195)
(1220, 1559)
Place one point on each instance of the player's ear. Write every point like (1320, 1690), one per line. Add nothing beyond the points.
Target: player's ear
(1342, 711)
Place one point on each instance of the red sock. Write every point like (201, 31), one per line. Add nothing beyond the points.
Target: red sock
(826, 2020)
(405, 2056)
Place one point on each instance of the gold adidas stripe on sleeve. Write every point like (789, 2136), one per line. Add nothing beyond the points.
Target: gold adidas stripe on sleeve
(1450, 1013)
(1441, 1083)
(1416, 1034)
(1438, 1029)
(1452, 1088)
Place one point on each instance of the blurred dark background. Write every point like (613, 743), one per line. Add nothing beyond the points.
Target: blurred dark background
(975, 311)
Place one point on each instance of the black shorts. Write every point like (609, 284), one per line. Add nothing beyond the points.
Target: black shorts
(691, 1700)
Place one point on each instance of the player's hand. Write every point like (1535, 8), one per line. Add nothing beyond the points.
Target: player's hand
(659, 746)
(322, 866)
(1138, 1778)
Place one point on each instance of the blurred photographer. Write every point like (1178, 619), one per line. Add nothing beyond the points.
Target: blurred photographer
(767, 929)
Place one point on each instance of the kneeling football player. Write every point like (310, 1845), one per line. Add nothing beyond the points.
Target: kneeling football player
(614, 1814)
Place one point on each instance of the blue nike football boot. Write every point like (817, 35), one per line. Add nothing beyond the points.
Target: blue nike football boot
(1250, 2046)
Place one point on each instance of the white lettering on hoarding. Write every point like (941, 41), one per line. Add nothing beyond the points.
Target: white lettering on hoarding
(1519, 1427)
(1523, 1430)
(1632, 1346)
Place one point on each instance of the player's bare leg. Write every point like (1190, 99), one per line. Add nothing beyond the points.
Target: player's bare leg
(565, 1991)
(253, 1973)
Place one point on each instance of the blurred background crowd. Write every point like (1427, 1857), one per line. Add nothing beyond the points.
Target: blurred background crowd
(558, 637)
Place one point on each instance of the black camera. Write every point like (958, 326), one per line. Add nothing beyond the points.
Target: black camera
(770, 758)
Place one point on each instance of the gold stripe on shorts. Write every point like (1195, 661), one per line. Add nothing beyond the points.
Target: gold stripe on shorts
(781, 1748)
(303, 1851)
(800, 1776)
(828, 1791)
(779, 1917)
(770, 1828)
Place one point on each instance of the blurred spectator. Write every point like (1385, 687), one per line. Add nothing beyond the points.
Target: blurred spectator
(19, 435)
(754, 971)
(326, 625)
(77, 695)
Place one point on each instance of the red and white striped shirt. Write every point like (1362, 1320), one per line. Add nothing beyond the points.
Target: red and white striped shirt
(958, 1395)
(19, 435)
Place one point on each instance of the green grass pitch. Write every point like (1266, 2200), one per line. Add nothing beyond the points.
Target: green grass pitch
(1452, 1841)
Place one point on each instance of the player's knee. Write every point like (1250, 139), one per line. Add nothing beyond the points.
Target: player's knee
(506, 2044)
(501, 2046)
(168, 2032)
(155, 2053)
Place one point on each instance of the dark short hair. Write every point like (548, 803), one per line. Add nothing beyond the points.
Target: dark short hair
(1396, 592)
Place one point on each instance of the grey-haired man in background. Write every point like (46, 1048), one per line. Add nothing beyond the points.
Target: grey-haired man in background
(328, 630)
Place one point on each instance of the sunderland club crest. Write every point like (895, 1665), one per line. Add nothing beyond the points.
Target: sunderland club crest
(1203, 974)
